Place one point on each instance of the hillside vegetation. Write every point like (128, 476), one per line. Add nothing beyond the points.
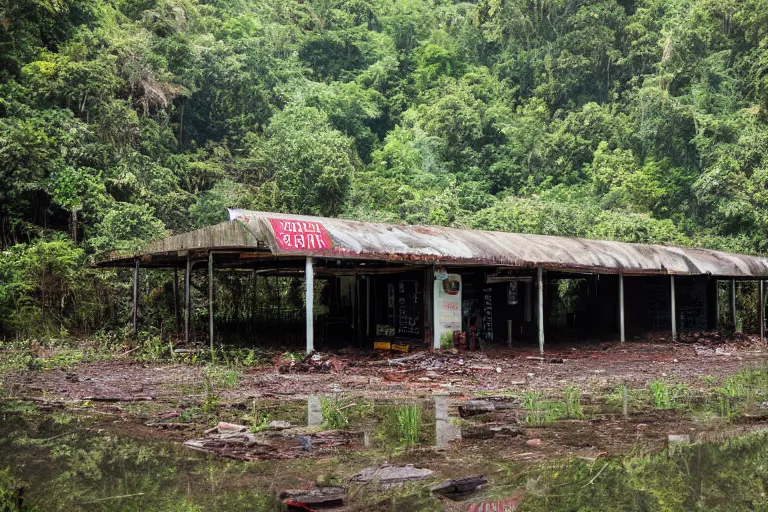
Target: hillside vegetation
(125, 120)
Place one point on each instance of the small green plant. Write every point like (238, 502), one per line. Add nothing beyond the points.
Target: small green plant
(539, 412)
(211, 400)
(446, 341)
(332, 409)
(572, 402)
(660, 395)
(223, 377)
(409, 421)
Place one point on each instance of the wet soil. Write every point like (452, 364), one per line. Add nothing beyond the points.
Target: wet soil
(591, 366)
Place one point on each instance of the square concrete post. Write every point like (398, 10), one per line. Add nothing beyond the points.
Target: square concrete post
(540, 306)
(135, 311)
(621, 307)
(673, 307)
(309, 280)
(187, 298)
(210, 300)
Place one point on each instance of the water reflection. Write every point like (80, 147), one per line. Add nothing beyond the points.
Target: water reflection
(446, 430)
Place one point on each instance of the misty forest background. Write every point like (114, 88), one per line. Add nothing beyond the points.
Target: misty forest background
(122, 121)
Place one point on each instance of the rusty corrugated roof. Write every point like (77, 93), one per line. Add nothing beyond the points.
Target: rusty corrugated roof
(300, 235)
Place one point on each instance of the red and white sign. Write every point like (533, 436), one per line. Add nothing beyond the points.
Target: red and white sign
(298, 235)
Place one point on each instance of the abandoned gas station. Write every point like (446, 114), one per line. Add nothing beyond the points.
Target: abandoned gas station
(404, 287)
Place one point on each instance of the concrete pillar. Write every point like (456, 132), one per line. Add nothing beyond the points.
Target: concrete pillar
(732, 297)
(210, 300)
(187, 298)
(621, 307)
(135, 310)
(673, 307)
(540, 306)
(761, 308)
(309, 280)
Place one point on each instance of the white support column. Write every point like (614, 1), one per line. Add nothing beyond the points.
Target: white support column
(187, 298)
(732, 297)
(621, 307)
(135, 311)
(540, 306)
(673, 308)
(210, 300)
(309, 280)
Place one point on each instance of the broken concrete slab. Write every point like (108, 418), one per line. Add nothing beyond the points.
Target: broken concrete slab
(387, 476)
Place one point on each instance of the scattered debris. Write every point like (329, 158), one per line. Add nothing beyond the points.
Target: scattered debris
(235, 442)
(678, 438)
(387, 476)
(533, 442)
(321, 497)
(313, 362)
(505, 505)
(460, 487)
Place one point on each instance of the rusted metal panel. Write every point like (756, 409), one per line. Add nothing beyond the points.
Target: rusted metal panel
(285, 234)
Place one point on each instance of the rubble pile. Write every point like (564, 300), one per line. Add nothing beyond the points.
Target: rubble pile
(238, 442)
(313, 362)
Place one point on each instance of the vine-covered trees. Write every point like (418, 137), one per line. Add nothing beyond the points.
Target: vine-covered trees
(634, 120)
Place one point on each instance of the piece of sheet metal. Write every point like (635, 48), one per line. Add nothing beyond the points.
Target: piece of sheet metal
(296, 235)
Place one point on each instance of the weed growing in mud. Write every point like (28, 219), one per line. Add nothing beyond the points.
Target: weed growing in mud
(540, 413)
(211, 401)
(665, 395)
(332, 409)
(660, 394)
(223, 377)
(409, 420)
(572, 402)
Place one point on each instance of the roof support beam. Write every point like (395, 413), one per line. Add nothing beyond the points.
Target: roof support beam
(176, 309)
(309, 280)
(673, 307)
(732, 298)
(187, 298)
(210, 301)
(135, 310)
(621, 307)
(540, 306)
(761, 307)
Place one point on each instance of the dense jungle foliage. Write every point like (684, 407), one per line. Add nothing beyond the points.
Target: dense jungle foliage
(124, 120)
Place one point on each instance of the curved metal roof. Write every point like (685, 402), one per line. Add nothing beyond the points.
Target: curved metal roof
(301, 235)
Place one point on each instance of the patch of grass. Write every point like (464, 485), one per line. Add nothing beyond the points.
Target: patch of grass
(211, 401)
(333, 411)
(539, 412)
(446, 341)
(572, 402)
(409, 421)
(223, 377)
(660, 394)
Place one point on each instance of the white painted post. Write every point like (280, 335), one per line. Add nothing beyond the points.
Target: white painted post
(210, 300)
(540, 307)
(135, 311)
(187, 298)
(673, 308)
(309, 280)
(621, 306)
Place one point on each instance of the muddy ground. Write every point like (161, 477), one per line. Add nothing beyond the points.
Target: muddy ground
(145, 400)
(590, 366)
